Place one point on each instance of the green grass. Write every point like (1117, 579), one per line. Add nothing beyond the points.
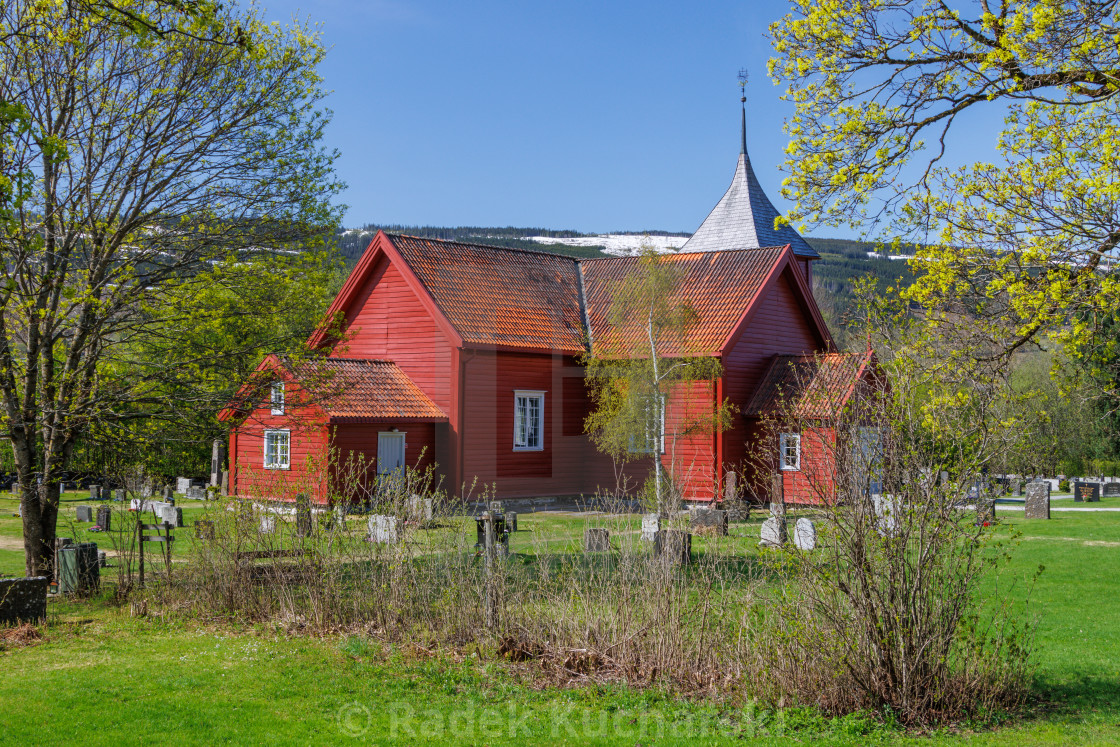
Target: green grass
(101, 677)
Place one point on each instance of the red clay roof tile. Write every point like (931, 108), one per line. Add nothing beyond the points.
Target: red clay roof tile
(719, 286)
(352, 390)
(811, 387)
(500, 296)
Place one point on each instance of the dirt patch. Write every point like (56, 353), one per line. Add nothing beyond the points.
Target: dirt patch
(1087, 543)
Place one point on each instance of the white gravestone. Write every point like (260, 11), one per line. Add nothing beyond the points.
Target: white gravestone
(651, 525)
(805, 535)
(384, 529)
(773, 532)
(182, 484)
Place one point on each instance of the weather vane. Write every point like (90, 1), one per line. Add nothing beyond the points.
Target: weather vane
(743, 84)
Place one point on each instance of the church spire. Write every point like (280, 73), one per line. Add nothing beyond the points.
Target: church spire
(743, 104)
(745, 218)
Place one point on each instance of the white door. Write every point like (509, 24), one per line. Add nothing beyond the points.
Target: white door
(390, 452)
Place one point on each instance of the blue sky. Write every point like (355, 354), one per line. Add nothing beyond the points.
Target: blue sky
(592, 116)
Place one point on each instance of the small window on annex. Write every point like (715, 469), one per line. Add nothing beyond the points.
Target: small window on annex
(789, 451)
(277, 398)
(277, 449)
(528, 421)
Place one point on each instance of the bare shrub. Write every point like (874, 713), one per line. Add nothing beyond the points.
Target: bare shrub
(888, 613)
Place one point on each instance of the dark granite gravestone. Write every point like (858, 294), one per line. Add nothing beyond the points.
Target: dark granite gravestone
(673, 546)
(1037, 503)
(511, 521)
(1087, 492)
(1111, 489)
(23, 600)
(709, 521)
(78, 569)
(106, 493)
(104, 518)
(596, 540)
(85, 513)
(303, 515)
(204, 529)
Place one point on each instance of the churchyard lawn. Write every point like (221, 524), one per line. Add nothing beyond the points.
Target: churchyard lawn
(100, 676)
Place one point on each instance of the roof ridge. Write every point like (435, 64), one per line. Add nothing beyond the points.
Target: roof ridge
(486, 246)
(690, 254)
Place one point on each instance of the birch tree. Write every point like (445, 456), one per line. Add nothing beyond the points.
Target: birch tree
(640, 367)
(138, 160)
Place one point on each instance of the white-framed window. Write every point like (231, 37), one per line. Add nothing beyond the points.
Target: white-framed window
(528, 421)
(789, 451)
(277, 449)
(654, 427)
(276, 398)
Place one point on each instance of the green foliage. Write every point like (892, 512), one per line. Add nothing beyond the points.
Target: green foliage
(1025, 243)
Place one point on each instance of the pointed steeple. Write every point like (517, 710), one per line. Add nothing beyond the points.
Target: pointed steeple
(744, 217)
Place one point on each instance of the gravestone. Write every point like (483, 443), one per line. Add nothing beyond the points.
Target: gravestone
(1087, 492)
(673, 547)
(596, 540)
(805, 534)
(887, 520)
(106, 493)
(418, 509)
(496, 507)
(1111, 490)
(105, 518)
(95, 492)
(709, 521)
(171, 515)
(181, 484)
(102, 559)
(204, 529)
(119, 496)
(944, 479)
(511, 521)
(168, 494)
(773, 532)
(216, 459)
(23, 600)
(1037, 503)
(384, 529)
(303, 515)
(651, 525)
(85, 513)
(1016, 486)
(268, 524)
(196, 493)
(731, 487)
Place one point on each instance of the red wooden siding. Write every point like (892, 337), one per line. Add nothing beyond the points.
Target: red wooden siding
(354, 454)
(812, 484)
(778, 326)
(249, 477)
(690, 454)
(569, 464)
(388, 321)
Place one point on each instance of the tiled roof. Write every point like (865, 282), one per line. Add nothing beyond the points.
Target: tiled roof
(718, 285)
(493, 295)
(811, 387)
(744, 219)
(351, 390)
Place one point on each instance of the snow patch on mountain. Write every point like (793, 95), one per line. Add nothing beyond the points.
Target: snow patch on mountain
(619, 244)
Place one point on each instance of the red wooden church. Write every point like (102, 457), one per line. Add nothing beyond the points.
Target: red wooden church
(467, 357)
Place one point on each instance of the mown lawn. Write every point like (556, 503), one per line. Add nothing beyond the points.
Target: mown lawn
(101, 677)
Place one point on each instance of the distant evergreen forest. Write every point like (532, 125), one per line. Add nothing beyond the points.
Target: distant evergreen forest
(843, 261)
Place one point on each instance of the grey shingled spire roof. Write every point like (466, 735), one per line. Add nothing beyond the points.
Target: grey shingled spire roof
(744, 218)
